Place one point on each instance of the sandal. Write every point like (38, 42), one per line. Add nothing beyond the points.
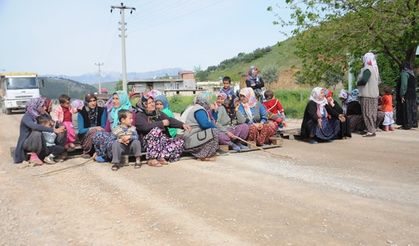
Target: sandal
(137, 163)
(115, 167)
(163, 162)
(153, 163)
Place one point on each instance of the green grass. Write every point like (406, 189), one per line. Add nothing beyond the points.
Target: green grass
(281, 56)
(294, 101)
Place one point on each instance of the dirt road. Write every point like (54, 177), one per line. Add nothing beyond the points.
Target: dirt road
(353, 192)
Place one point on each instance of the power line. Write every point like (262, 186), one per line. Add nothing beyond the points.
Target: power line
(122, 28)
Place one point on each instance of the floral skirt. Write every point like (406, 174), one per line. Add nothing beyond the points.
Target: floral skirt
(87, 140)
(261, 137)
(103, 144)
(159, 146)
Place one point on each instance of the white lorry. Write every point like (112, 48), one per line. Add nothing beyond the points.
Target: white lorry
(16, 89)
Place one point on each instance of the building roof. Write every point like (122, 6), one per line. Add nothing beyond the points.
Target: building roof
(154, 81)
(185, 71)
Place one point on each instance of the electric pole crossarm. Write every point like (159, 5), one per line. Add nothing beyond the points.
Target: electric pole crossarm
(122, 9)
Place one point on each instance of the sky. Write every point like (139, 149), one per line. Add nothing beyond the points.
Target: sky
(69, 36)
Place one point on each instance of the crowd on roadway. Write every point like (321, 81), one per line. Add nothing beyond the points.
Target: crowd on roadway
(143, 123)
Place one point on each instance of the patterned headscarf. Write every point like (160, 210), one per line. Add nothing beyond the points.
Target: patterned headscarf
(77, 105)
(203, 99)
(369, 60)
(354, 95)
(343, 94)
(222, 95)
(124, 103)
(162, 98)
(315, 96)
(250, 95)
(35, 107)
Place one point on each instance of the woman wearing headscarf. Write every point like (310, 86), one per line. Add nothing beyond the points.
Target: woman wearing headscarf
(406, 98)
(345, 131)
(102, 140)
(255, 81)
(253, 113)
(228, 132)
(30, 133)
(90, 119)
(162, 105)
(202, 140)
(152, 126)
(368, 81)
(320, 120)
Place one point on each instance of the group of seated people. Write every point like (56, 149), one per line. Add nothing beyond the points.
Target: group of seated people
(129, 125)
(325, 120)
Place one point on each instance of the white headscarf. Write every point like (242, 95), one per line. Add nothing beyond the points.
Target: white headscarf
(315, 96)
(369, 60)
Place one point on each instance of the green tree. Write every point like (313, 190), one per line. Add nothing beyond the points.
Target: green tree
(270, 74)
(118, 86)
(331, 32)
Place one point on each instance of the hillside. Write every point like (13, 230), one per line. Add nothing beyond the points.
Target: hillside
(280, 56)
(54, 87)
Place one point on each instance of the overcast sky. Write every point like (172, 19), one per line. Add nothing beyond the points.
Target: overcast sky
(68, 37)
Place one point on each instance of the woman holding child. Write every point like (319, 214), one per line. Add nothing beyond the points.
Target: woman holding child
(253, 113)
(102, 140)
(153, 126)
(30, 135)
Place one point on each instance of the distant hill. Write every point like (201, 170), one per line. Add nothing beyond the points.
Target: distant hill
(53, 87)
(280, 56)
(92, 78)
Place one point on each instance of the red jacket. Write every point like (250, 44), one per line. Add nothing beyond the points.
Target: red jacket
(273, 106)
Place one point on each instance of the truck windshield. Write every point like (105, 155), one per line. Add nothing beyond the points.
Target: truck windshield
(21, 83)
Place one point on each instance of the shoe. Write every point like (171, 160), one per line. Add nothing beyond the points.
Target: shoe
(163, 162)
(100, 159)
(34, 159)
(153, 163)
(115, 167)
(243, 147)
(369, 134)
(312, 141)
(61, 157)
(137, 163)
(235, 147)
(49, 159)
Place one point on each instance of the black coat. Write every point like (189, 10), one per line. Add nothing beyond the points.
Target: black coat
(310, 114)
(145, 123)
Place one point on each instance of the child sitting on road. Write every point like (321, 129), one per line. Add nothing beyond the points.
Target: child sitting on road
(63, 114)
(52, 150)
(126, 140)
(274, 109)
(387, 107)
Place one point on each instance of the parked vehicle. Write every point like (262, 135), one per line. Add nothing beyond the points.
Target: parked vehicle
(16, 89)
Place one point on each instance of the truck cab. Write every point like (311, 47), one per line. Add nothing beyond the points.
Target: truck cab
(16, 89)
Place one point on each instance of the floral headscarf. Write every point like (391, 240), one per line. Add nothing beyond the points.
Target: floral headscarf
(203, 99)
(35, 107)
(124, 103)
(354, 95)
(251, 101)
(250, 95)
(222, 95)
(77, 105)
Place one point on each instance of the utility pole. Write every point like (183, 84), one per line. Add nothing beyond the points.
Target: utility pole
(99, 64)
(122, 28)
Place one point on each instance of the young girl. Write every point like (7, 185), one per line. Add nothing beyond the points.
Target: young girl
(274, 108)
(62, 114)
(387, 107)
